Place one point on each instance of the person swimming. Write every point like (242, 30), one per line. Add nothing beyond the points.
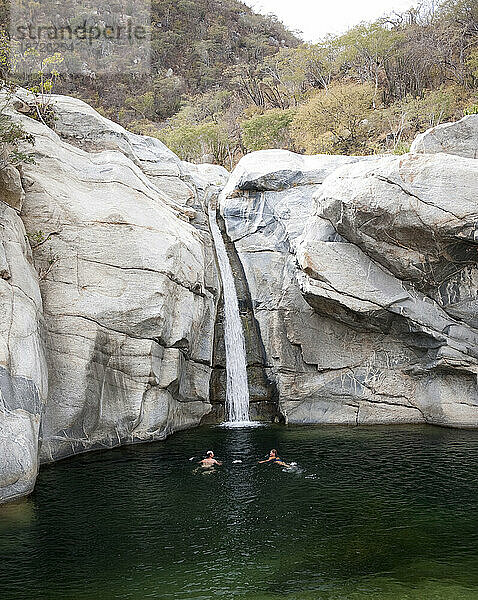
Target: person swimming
(209, 461)
(273, 457)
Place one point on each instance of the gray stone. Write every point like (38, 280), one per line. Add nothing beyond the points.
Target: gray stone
(275, 170)
(118, 346)
(11, 190)
(414, 214)
(357, 273)
(124, 282)
(460, 138)
(23, 369)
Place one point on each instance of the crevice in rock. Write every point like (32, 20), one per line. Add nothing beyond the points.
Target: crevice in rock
(157, 340)
(409, 193)
(262, 390)
(194, 289)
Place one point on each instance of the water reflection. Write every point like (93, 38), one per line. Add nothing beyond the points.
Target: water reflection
(16, 519)
(16, 514)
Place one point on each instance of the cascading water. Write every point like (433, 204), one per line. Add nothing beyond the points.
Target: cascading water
(237, 392)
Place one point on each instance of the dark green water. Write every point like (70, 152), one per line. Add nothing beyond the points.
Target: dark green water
(372, 514)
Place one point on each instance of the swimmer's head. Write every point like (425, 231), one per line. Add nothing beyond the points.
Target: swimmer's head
(209, 453)
(273, 452)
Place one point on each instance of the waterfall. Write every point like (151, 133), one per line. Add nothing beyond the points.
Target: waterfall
(237, 393)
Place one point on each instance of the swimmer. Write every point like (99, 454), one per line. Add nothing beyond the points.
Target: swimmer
(275, 459)
(209, 461)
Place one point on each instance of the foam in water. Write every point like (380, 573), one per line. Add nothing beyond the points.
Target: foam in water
(239, 424)
(237, 392)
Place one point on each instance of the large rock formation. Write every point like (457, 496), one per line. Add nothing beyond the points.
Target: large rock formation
(363, 276)
(23, 371)
(129, 286)
(460, 138)
(357, 277)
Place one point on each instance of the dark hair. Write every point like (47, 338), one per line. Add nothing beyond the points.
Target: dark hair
(274, 451)
(209, 453)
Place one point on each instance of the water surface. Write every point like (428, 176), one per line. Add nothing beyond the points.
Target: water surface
(370, 514)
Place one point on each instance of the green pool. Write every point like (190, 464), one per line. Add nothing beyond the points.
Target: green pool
(368, 514)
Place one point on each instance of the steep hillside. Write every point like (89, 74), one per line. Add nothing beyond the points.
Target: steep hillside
(193, 44)
(225, 81)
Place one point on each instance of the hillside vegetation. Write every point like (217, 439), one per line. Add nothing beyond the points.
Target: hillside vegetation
(193, 43)
(226, 81)
(369, 90)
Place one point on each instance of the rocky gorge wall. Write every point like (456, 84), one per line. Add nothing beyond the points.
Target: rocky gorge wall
(357, 283)
(109, 293)
(363, 278)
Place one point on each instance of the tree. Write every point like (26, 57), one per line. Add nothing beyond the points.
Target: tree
(290, 74)
(12, 134)
(337, 121)
(193, 142)
(402, 120)
(268, 130)
(366, 49)
(44, 76)
(167, 92)
(472, 64)
(12, 137)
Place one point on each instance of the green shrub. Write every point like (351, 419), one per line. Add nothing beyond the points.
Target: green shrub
(268, 130)
(336, 121)
(401, 148)
(12, 135)
(471, 110)
(192, 142)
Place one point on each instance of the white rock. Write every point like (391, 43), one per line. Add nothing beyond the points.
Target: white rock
(330, 260)
(460, 138)
(23, 370)
(275, 170)
(129, 291)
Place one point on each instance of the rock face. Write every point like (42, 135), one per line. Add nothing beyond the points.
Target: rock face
(460, 138)
(129, 301)
(11, 186)
(118, 347)
(363, 278)
(23, 370)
